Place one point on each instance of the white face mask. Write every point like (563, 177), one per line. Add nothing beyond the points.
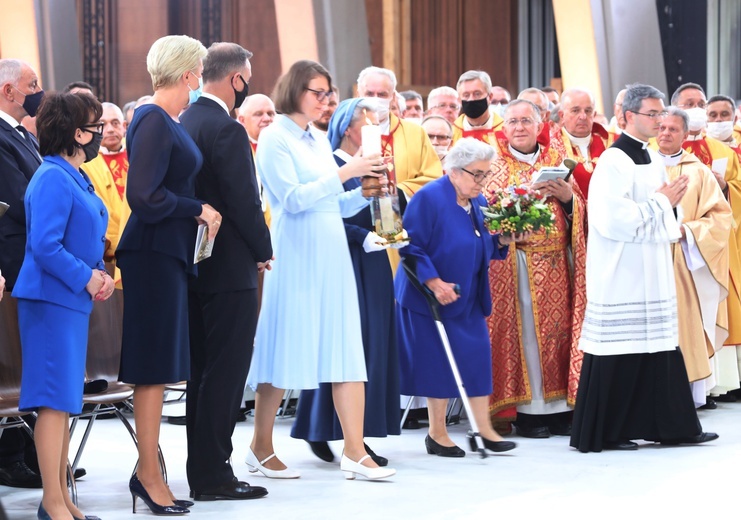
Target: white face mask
(382, 108)
(498, 109)
(698, 118)
(721, 130)
(440, 149)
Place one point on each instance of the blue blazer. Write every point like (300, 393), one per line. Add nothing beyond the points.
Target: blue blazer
(440, 233)
(65, 224)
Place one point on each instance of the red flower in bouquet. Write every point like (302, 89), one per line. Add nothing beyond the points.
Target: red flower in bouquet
(517, 209)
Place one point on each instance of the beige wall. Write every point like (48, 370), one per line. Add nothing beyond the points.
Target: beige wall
(18, 38)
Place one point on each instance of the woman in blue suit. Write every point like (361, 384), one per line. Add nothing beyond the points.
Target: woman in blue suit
(450, 247)
(62, 273)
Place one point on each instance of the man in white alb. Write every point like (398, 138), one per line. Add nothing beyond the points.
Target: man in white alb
(633, 381)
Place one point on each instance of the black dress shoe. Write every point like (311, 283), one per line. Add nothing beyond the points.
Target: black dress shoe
(381, 461)
(433, 448)
(18, 474)
(536, 432)
(79, 473)
(322, 450)
(233, 490)
(95, 386)
(710, 404)
(620, 446)
(183, 503)
(697, 439)
(178, 420)
(726, 398)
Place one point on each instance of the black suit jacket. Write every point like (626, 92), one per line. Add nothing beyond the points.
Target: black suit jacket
(19, 159)
(227, 181)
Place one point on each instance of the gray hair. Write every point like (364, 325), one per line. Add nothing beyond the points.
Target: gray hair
(10, 71)
(440, 91)
(471, 75)
(533, 107)
(106, 104)
(401, 101)
(682, 88)
(223, 59)
(129, 106)
(376, 70)
(635, 95)
(678, 112)
(412, 94)
(554, 113)
(538, 92)
(466, 151)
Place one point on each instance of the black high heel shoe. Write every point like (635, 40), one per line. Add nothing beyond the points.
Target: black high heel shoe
(138, 491)
(497, 446)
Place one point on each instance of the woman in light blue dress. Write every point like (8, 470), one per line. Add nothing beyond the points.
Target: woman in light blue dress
(309, 328)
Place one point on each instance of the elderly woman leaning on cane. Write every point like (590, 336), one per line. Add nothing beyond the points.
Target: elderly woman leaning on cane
(450, 246)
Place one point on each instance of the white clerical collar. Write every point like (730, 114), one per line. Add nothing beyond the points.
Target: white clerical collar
(673, 159)
(342, 154)
(644, 144)
(8, 119)
(529, 158)
(579, 141)
(106, 151)
(216, 100)
(486, 126)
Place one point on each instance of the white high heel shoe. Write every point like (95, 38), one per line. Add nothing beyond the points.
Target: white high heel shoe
(255, 465)
(351, 469)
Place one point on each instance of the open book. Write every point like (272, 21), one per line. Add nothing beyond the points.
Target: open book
(204, 246)
(551, 173)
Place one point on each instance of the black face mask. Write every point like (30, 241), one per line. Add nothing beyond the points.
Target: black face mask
(475, 108)
(32, 102)
(91, 149)
(239, 97)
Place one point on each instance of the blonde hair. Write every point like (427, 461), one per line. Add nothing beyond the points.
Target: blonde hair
(172, 56)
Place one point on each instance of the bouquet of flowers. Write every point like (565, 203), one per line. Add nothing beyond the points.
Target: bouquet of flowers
(518, 209)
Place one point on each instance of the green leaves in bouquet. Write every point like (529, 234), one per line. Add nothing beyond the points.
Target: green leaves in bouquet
(518, 209)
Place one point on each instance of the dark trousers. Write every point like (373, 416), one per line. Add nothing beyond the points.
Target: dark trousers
(222, 331)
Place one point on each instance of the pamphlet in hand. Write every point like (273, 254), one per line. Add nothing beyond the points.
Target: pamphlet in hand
(551, 173)
(204, 246)
(3, 208)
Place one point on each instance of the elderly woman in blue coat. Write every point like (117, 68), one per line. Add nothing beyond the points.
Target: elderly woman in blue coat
(62, 273)
(450, 246)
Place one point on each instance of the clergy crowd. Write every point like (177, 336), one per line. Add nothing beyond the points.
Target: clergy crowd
(613, 326)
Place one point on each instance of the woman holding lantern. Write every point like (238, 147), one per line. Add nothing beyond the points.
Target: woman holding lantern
(316, 421)
(309, 327)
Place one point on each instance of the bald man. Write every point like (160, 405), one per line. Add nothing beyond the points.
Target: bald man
(256, 113)
(617, 123)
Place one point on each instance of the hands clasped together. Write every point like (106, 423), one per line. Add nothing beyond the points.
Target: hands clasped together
(100, 287)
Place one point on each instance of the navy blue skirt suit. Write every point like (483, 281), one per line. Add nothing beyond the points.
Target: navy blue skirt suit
(155, 253)
(450, 243)
(65, 225)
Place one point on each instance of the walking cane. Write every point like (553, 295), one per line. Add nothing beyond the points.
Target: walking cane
(410, 268)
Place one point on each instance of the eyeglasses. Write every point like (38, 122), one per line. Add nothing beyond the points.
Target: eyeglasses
(437, 137)
(321, 95)
(479, 176)
(652, 115)
(525, 121)
(93, 128)
(699, 104)
(451, 106)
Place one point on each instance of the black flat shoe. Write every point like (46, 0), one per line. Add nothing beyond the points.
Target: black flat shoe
(433, 448)
(234, 490)
(498, 446)
(138, 491)
(697, 439)
(322, 450)
(537, 432)
(620, 446)
(381, 461)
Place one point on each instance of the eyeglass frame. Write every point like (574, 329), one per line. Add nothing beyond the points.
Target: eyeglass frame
(100, 128)
(451, 106)
(438, 137)
(661, 114)
(321, 95)
(520, 121)
(479, 178)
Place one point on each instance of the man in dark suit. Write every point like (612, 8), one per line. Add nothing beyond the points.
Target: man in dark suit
(223, 299)
(20, 95)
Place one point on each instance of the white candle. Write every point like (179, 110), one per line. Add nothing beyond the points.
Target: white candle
(371, 139)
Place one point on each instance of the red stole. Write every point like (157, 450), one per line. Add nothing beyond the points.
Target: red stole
(118, 164)
(701, 150)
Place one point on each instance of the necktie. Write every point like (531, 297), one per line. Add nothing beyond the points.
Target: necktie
(22, 130)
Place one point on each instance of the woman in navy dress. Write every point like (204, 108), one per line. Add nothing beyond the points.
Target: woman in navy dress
(62, 273)
(316, 420)
(450, 246)
(155, 253)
